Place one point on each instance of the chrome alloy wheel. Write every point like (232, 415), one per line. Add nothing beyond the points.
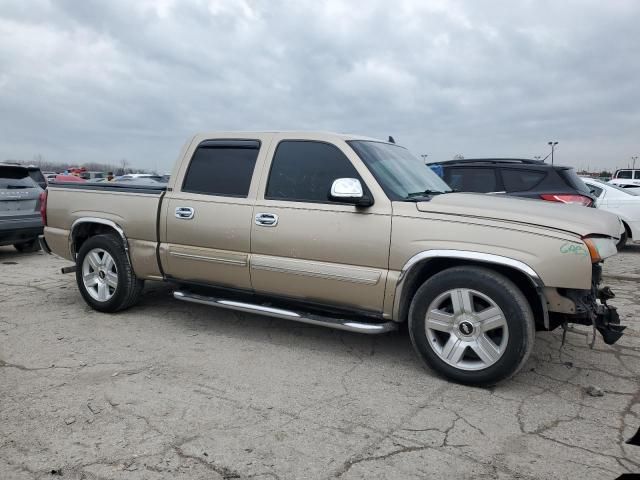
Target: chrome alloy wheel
(99, 274)
(466, 329)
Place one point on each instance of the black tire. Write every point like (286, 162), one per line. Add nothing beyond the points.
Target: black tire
(129, 287)
(504, 293)
(623, 241)
(28, 247)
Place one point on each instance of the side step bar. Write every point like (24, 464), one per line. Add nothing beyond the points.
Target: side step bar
(302, 317)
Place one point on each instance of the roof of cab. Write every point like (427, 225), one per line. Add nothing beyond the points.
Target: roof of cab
(312, 134)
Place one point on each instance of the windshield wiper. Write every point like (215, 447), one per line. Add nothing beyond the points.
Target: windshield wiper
(423, 194)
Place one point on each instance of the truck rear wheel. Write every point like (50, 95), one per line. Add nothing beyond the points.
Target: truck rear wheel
(104, 275)
(471, 325)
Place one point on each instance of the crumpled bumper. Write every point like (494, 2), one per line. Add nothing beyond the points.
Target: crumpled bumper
(607, 322)
(592, 309)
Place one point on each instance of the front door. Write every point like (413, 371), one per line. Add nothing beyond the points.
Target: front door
(306, 246)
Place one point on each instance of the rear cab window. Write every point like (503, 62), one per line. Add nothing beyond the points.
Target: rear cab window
(624, 174)
(222, 168)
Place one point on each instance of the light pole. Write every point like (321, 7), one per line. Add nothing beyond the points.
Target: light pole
(553, 147)
(634, 158)
(424, 157)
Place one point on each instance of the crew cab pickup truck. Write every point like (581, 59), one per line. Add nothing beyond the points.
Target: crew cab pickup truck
(347, 232)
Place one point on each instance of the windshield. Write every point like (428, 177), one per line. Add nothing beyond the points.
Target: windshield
(596, 184)
(401, 175)
(629, 191)
(15, 178)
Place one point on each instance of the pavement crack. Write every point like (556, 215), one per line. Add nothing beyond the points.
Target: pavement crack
(350, 463)
(4, 364)
(224, 472)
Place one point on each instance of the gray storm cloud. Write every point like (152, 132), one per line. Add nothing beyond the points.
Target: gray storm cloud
(100, 81)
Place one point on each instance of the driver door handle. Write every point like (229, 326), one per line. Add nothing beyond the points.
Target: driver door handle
(184, 213)
(267, 219)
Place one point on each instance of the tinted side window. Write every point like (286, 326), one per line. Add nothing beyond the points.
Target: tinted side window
(572, 178)
(469, 179)
(624, 174)
(305, 170)
(222, 168)
(521, 180)
(597, 191)
(636, 175)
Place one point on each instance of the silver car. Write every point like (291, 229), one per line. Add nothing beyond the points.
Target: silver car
(20, 220)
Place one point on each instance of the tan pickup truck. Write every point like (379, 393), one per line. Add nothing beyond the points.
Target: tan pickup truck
(346, 232)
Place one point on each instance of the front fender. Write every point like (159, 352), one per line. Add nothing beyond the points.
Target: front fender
(418, 260)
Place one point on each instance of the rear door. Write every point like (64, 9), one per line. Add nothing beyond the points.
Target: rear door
(312, 248)
(208, 216)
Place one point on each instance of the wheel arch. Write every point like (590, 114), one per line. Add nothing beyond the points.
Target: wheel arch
(627, 228)
(86, 227)
(424, 265)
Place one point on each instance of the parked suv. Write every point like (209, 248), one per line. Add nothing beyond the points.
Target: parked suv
(20, 221)
(519, 177)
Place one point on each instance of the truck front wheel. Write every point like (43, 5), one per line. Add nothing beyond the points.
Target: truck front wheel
(471, 325)
(104, 275)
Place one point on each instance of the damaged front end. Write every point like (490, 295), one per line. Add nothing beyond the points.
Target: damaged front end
(592, 309)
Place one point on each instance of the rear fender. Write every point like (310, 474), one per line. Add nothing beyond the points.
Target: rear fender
(97, 226)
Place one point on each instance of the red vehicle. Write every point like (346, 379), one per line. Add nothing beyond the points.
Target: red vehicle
(68, 178)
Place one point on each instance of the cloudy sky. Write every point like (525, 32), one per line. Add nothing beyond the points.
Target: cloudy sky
(89, 80)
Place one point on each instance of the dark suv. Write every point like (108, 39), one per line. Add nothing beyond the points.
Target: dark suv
(20, 220)
(515, 176)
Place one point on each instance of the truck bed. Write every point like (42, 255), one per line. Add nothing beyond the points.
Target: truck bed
(133, 208)
(112, 187)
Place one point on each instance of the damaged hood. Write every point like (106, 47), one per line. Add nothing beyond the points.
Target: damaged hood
(575, 219)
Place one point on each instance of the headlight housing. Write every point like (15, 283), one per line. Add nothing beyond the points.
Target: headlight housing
(600, 248)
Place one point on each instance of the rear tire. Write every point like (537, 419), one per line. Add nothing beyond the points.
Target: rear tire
(104, 275)
(28, 247)
(472, 325)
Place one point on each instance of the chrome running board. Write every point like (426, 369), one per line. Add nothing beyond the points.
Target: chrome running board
(302, 317)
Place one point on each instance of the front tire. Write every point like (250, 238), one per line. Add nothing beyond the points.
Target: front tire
(104, 275)
(471, 325)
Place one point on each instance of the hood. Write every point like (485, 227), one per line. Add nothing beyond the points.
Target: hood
(575, 219)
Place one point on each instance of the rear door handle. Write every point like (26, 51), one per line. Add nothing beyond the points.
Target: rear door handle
(267, 219)
(184, 213)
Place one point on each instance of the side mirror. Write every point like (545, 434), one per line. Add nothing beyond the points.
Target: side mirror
(349, 190)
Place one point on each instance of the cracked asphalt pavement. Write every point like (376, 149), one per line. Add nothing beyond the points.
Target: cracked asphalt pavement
(176, 390)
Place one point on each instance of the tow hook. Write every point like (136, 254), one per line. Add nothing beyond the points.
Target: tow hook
(606, 319)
